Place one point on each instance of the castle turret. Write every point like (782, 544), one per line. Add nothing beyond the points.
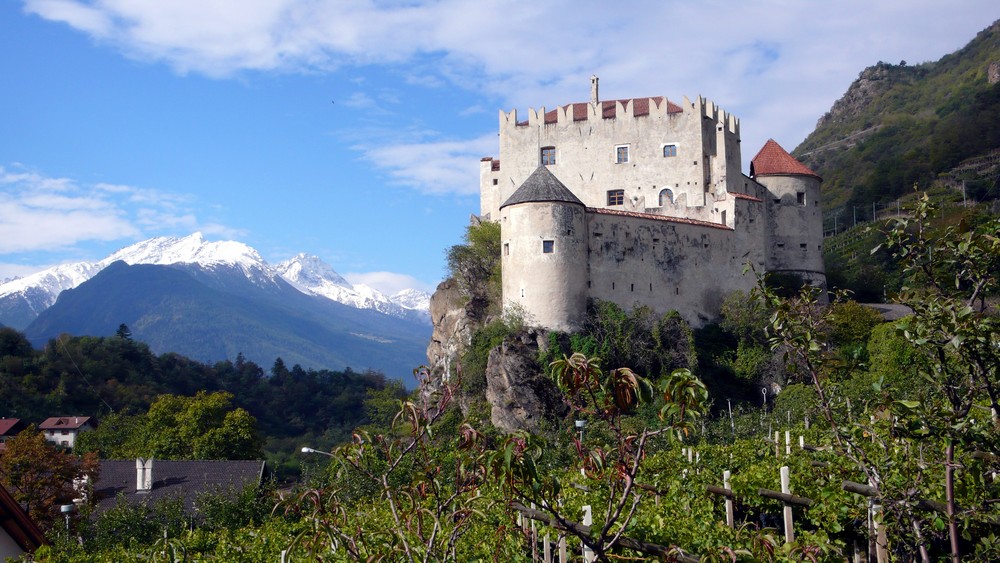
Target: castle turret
(795, 241)
(544, 252)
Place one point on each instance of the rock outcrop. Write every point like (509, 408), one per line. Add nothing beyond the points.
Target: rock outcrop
(519, 394)
(521, 397)
(453, 326)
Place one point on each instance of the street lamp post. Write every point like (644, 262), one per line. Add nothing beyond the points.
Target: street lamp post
(308, 450)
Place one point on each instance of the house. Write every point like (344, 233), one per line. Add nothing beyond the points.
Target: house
(63, 430)
(642, 202)
(10, 427)
(146, 480)
(18, 533)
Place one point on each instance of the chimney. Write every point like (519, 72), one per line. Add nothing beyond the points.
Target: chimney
(593, 90)
(143, 475)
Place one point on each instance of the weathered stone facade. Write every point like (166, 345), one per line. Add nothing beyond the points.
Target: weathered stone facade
(642, 202)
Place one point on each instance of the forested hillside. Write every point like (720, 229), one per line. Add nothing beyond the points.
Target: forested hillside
(96, 376)
(905, 124)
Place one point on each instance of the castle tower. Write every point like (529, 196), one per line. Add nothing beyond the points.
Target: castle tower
(795, 222)
(544, 252)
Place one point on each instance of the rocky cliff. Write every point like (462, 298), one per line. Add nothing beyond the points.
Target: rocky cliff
(519, 395)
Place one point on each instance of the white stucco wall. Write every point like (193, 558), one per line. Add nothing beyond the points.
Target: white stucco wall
(8, 547)
(707, 141)
(551, 287)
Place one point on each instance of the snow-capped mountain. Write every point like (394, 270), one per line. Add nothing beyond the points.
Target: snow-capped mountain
(22, 299)
(309, 274)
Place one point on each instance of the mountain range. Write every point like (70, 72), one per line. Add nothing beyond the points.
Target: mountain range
(214, 300)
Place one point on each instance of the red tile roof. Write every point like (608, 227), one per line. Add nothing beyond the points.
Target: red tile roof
(739, 195)
(8, 424)
(603, 211)
(18, 525)
(609, 109)
(64, 422)
(774, 160)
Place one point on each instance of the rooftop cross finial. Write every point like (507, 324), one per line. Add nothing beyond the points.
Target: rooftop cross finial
(593, 89)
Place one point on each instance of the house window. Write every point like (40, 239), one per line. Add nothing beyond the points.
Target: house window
(548, 246)
(616, 197)
(669, 150)
(621, 154)
(65, 443)
(800, 198)
(65, 432)
(548, 155)
(666, 196)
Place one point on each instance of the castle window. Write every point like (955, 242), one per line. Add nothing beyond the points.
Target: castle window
(495, 181)
(506, 249)
(616, 197)
(548, 155)
(669, 150)
(621, 154)
(666, 196)
(800, 198)
(802, 246)
(548, 246)
(724, 218)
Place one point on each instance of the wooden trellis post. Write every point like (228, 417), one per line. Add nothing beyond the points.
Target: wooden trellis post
(588, 520)
(788, 499)
(786, 487)
(730, 517)
(727, 492)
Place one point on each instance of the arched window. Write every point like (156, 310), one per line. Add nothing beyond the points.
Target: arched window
(666, 196)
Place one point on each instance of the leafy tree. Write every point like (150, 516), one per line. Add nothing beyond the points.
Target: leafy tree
(42, 477)
(949, 275)
(205, 426)
(201, 427)
(476, 264)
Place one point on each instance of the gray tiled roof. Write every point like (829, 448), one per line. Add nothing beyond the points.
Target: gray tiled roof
(542, 185)
(187, 479)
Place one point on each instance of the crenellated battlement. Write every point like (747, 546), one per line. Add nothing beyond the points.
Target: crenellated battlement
(657, 107)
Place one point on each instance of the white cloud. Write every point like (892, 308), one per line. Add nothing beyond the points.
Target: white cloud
(41, 213)
(388, 283)
(777, 65)
(433, 167)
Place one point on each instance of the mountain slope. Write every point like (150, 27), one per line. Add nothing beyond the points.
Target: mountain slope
(900, 125)
(212, 314)
(21, 300)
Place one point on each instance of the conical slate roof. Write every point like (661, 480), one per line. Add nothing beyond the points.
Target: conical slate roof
(542, 185)
(774, 160)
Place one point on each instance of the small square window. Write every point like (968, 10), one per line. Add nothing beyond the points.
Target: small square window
(669, 150)
(621, 154)
(548, 246)
(616, 197)
(548, 155)
(495, 181)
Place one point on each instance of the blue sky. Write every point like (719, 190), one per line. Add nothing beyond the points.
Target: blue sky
(353, 130)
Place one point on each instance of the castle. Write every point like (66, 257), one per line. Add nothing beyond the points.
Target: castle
(643, 202)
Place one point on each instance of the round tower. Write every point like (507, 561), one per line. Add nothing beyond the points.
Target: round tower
(794, 215)
(544, 253)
